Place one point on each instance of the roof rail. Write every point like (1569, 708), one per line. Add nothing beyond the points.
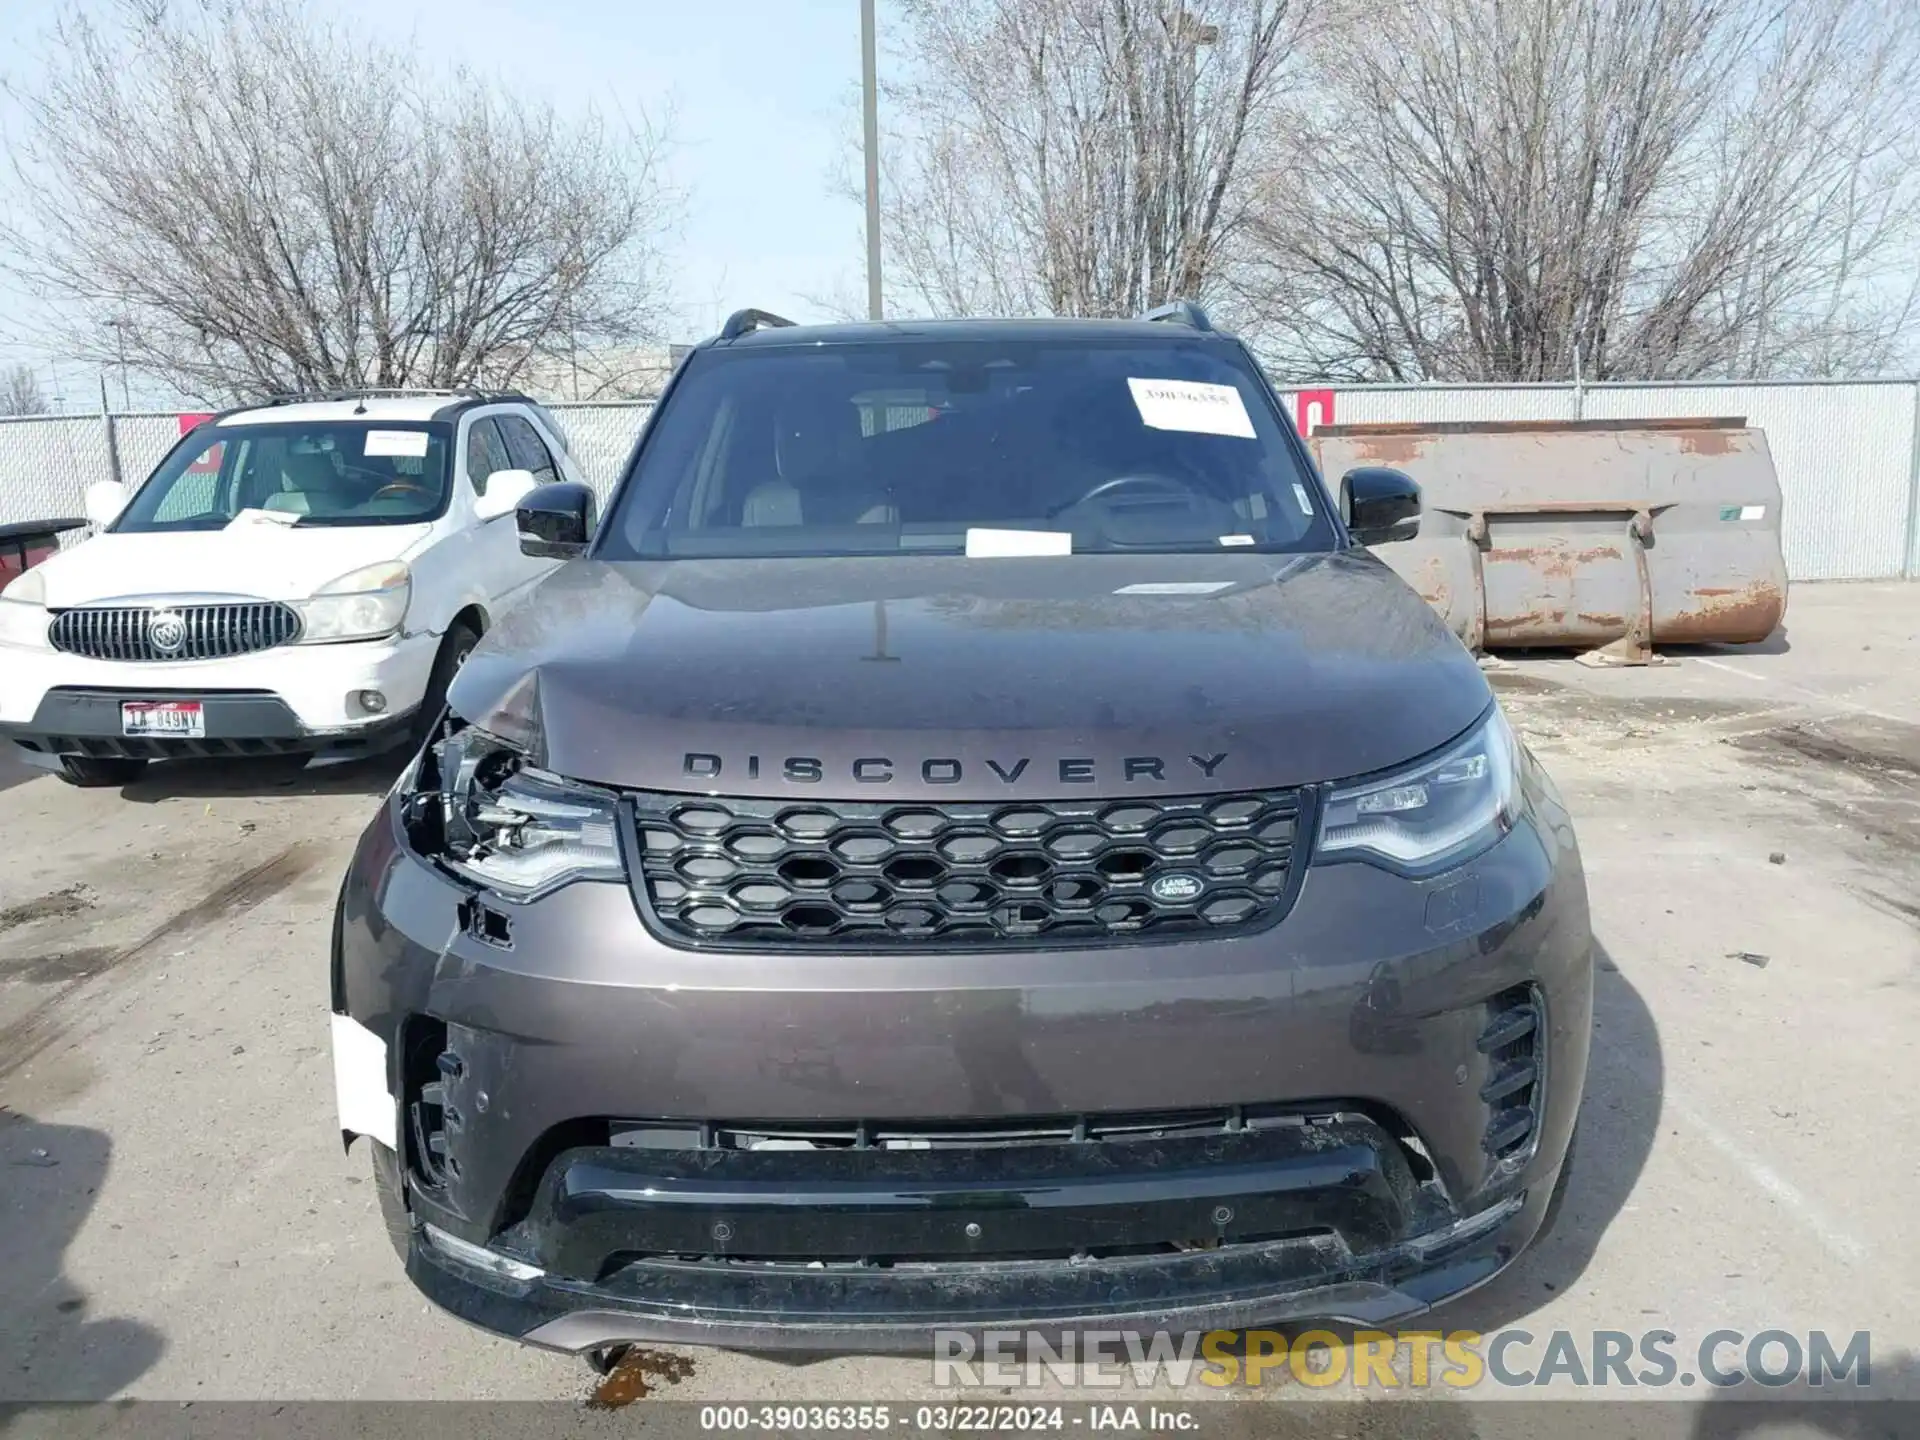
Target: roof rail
(383, 392)
(1184, 312)
(742, 321)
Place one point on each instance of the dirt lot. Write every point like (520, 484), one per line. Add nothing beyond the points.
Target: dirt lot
(177, 1219)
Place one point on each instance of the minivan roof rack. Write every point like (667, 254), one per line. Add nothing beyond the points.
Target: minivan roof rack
(468, 395)
(383, 392)
(742, 321)
(1183, 312)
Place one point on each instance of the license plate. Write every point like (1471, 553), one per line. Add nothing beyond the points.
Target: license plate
(167, 717)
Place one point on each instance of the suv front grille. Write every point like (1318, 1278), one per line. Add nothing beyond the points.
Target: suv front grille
(785, 875)
(148, 633)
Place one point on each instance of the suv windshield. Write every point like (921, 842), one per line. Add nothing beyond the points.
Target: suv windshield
(923, 446)
(342, 473)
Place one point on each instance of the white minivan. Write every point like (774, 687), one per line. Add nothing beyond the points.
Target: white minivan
(296, 578)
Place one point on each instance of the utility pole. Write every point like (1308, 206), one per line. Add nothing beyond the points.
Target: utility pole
(870, 117)
(120, 330)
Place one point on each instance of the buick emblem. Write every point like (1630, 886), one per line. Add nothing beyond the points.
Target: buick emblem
(167, 632)
(1175, 889)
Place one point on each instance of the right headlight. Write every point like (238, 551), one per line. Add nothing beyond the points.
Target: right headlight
(496, 821)
(23, 612)
(363, 604)
(1435, 814)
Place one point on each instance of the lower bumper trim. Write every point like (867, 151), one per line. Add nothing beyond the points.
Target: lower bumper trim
(904, 1312)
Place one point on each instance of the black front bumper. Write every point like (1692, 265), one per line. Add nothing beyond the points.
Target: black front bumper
(75, 721)
(878, 1309)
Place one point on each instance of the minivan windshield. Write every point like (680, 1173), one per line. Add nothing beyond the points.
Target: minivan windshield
(334, 473)
(967, 447)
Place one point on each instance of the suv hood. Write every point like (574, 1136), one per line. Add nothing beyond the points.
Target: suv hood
(270, 562)
(966, 679)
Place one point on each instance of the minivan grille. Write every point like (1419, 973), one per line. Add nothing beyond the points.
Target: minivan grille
(780, 875)
(150, 633)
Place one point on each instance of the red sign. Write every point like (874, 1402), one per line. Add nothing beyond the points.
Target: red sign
(1312, 408)
(208, 464)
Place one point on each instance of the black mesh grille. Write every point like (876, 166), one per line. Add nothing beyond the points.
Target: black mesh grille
(149, 633)
(839, 874)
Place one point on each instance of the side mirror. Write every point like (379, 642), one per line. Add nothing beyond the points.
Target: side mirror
(1380, 505)
(555, 521)
(104, 502)
(505, 490)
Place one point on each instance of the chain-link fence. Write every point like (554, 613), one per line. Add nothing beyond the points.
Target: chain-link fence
(601, 436)
(1848, 454)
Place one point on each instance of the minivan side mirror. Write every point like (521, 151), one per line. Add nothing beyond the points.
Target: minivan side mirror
(555, 521)
(104, 502)
(1380, 504)
(505, 490)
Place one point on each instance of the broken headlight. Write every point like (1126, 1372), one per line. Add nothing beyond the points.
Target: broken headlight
(1436, 813)
(497, 821)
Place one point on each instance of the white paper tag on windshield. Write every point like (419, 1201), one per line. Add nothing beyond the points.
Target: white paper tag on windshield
(397, 442)
(989, 544)
(1300, 498)
(271, 519)
(1192, 405)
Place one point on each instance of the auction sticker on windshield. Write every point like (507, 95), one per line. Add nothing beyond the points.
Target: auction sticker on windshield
(1192, 405)
(397, 442)
(183, 718)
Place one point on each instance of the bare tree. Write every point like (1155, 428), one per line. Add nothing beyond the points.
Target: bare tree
(1084, 157)
(1650, 189)
(266, 202)
(20, 392)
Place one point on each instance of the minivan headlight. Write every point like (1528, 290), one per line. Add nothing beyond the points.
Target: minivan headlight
(497, 821)
(23, 612)
(363, 604)
(1437, 813)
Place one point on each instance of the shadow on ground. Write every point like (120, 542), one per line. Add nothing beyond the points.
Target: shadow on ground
(1887, 1408)
(13, 770)
(267, 776)
(51, 1346)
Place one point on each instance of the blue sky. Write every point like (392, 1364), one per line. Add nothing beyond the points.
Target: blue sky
(762, 95)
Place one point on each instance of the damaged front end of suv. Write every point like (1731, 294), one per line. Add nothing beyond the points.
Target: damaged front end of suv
(813, 928)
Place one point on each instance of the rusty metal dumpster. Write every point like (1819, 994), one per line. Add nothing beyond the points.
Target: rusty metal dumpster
(1608, 536)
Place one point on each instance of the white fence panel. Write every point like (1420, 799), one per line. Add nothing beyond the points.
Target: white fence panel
(1843, 454)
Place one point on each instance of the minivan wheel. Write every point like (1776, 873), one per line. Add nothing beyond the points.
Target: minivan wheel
(391, 1188)
(98, 770)
(454, 649)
